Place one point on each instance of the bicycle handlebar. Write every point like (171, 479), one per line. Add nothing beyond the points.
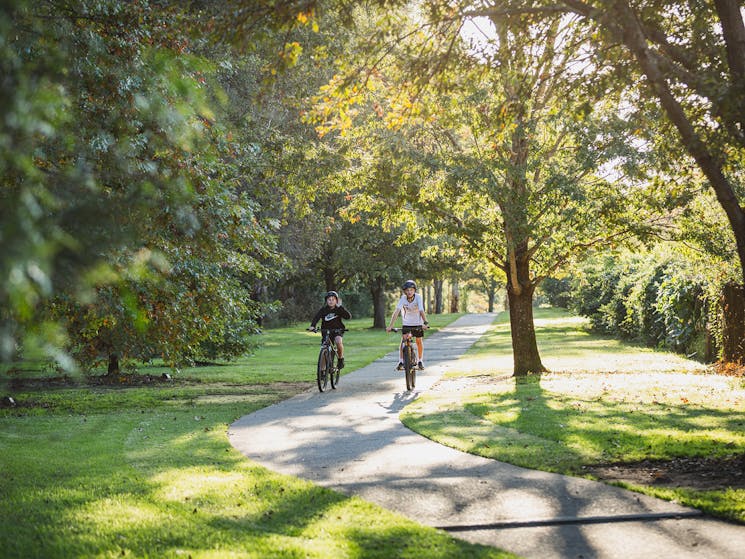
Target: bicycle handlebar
(316, 329)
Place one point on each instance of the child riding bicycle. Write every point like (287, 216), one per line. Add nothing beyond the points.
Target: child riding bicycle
(331, 315)
(413, 320)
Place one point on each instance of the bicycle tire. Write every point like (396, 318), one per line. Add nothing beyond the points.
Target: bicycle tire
(334, 371)
(409, 367)
(322, 371)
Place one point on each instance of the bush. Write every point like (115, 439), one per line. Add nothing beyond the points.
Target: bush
(654, 298)
(556, 292)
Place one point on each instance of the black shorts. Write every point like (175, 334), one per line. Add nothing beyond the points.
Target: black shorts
(332, 333)
(416, 331)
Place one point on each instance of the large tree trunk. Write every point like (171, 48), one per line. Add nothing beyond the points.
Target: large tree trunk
(520, 289)
(377, 290)
(438, 296)
(113, 368)
(454, 295)
(524, 345)
(491, 293)
(733, 331)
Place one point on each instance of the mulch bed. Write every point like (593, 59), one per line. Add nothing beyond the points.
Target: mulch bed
(694, 473)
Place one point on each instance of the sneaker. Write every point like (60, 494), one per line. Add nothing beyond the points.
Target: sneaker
(400, 366)
(420, 365)
(340, 364)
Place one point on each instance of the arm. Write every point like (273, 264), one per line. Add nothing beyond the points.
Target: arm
(316, 318)
(393, 318)
(421, 310)
(344, 313)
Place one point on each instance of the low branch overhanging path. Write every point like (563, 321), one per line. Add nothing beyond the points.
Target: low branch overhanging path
(351, 440)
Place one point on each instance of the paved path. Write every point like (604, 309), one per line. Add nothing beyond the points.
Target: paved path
(351, 440)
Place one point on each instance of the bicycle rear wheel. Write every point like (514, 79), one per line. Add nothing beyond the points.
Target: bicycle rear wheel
(410, 367)
(333, 370)
(322, 372)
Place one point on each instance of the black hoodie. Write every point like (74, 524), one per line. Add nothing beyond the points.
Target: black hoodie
(331, 317)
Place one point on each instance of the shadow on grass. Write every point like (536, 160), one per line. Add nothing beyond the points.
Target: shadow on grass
(576, 431)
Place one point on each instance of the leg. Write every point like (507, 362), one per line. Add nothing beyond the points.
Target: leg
(420, 348)
(339, 352)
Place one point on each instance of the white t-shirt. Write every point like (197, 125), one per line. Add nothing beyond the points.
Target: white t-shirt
(410, 311)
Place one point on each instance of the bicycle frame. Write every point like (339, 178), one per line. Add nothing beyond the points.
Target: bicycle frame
(409, 358)
(327, 368)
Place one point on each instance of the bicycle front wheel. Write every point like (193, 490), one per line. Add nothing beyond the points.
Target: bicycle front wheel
(333, 370)
(322, 372)
(410, 367)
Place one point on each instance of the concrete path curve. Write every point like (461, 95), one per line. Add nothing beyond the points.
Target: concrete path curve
(351, 440)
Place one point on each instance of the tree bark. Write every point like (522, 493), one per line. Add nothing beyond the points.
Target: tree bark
(377, 290)
(113, 368)
(438, 296)
(733, 331)
(524, 345)
(733, 30)
(454, 295)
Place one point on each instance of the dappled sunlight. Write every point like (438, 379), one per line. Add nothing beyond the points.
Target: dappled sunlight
(559, 421)
(648, 387)
(482, 365)
(529, 506)
(193, 483)
(573, 321)
(600, 360)
(119, 513)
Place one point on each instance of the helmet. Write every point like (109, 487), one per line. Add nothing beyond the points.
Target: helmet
(331, 294)
(409, 283)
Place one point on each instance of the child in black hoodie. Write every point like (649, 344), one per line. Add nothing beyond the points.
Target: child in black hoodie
(331, 315)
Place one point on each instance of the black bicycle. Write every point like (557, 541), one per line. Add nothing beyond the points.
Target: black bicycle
(327, 369)
(408, 358)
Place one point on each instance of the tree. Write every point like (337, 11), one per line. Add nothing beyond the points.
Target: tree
(692, 58)
(118, 187)
(379, 259)
(499, 152)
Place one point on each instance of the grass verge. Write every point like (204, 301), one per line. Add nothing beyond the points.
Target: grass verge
(147, 471)
(604, 403)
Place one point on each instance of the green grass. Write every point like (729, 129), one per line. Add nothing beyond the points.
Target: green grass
(604, 402)
(148, 471)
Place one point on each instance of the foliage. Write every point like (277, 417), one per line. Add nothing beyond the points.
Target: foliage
(658, 298)
(132, 184)
(486, 143)
(556, 292)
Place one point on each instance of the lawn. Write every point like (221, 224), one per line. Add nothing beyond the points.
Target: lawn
(605, 405)
(145, 469)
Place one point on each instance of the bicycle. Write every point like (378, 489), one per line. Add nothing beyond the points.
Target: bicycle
(327, 369)
(408, 358)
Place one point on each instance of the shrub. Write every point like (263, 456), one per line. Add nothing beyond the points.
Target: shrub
(653, 298)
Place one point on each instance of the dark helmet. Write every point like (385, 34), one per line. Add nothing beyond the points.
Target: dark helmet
(331, 294)
(409, 283)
